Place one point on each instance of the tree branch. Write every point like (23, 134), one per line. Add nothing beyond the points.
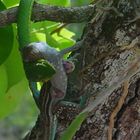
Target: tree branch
(53, 13)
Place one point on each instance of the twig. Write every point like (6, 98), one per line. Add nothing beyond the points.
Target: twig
(53, 13)
(58, 30)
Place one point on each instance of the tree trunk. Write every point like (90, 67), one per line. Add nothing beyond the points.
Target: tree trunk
(110, 49)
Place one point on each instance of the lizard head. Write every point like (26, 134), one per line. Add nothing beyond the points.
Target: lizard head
(68, 66)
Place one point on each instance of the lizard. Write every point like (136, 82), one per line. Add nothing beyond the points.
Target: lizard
(33, 52)
(42, 50)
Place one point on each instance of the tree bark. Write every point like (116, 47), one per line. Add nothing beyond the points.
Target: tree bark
(110, 49)
(101, 63)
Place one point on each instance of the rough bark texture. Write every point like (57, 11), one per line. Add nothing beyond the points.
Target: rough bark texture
(105, 56)
(100, 63)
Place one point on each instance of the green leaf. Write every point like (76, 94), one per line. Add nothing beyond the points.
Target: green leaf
(38, 37)
(40, 70)
(47, 27)
(6, 39)
(13, 83)
(81, 2)
(65, 34)
(3, 80)
(51, 41)
(37, 26)
(14, 66)
(74, 126)
(64, 38)
(51, 26)
(56, 2)
(12, 98)
(11, 3)
(41, 32)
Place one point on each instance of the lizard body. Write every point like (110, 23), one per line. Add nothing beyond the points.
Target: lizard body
(42, 50)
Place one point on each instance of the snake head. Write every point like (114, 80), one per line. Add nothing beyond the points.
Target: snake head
(37, 68)
(31, 53)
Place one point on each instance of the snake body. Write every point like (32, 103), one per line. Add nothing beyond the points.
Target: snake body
(33, 67)
(24, 22)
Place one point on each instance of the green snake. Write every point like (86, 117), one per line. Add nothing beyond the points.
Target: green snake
(24, 22)
(32, 69)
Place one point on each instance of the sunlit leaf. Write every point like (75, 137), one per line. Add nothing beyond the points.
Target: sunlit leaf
(64, 38)
(38, 37)
(3, 80)
(81, 2)
(12, 98)
(40, 26)
(41, 32)
(14, 66)
(51, 41)
(56, 2)
(10, 3)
